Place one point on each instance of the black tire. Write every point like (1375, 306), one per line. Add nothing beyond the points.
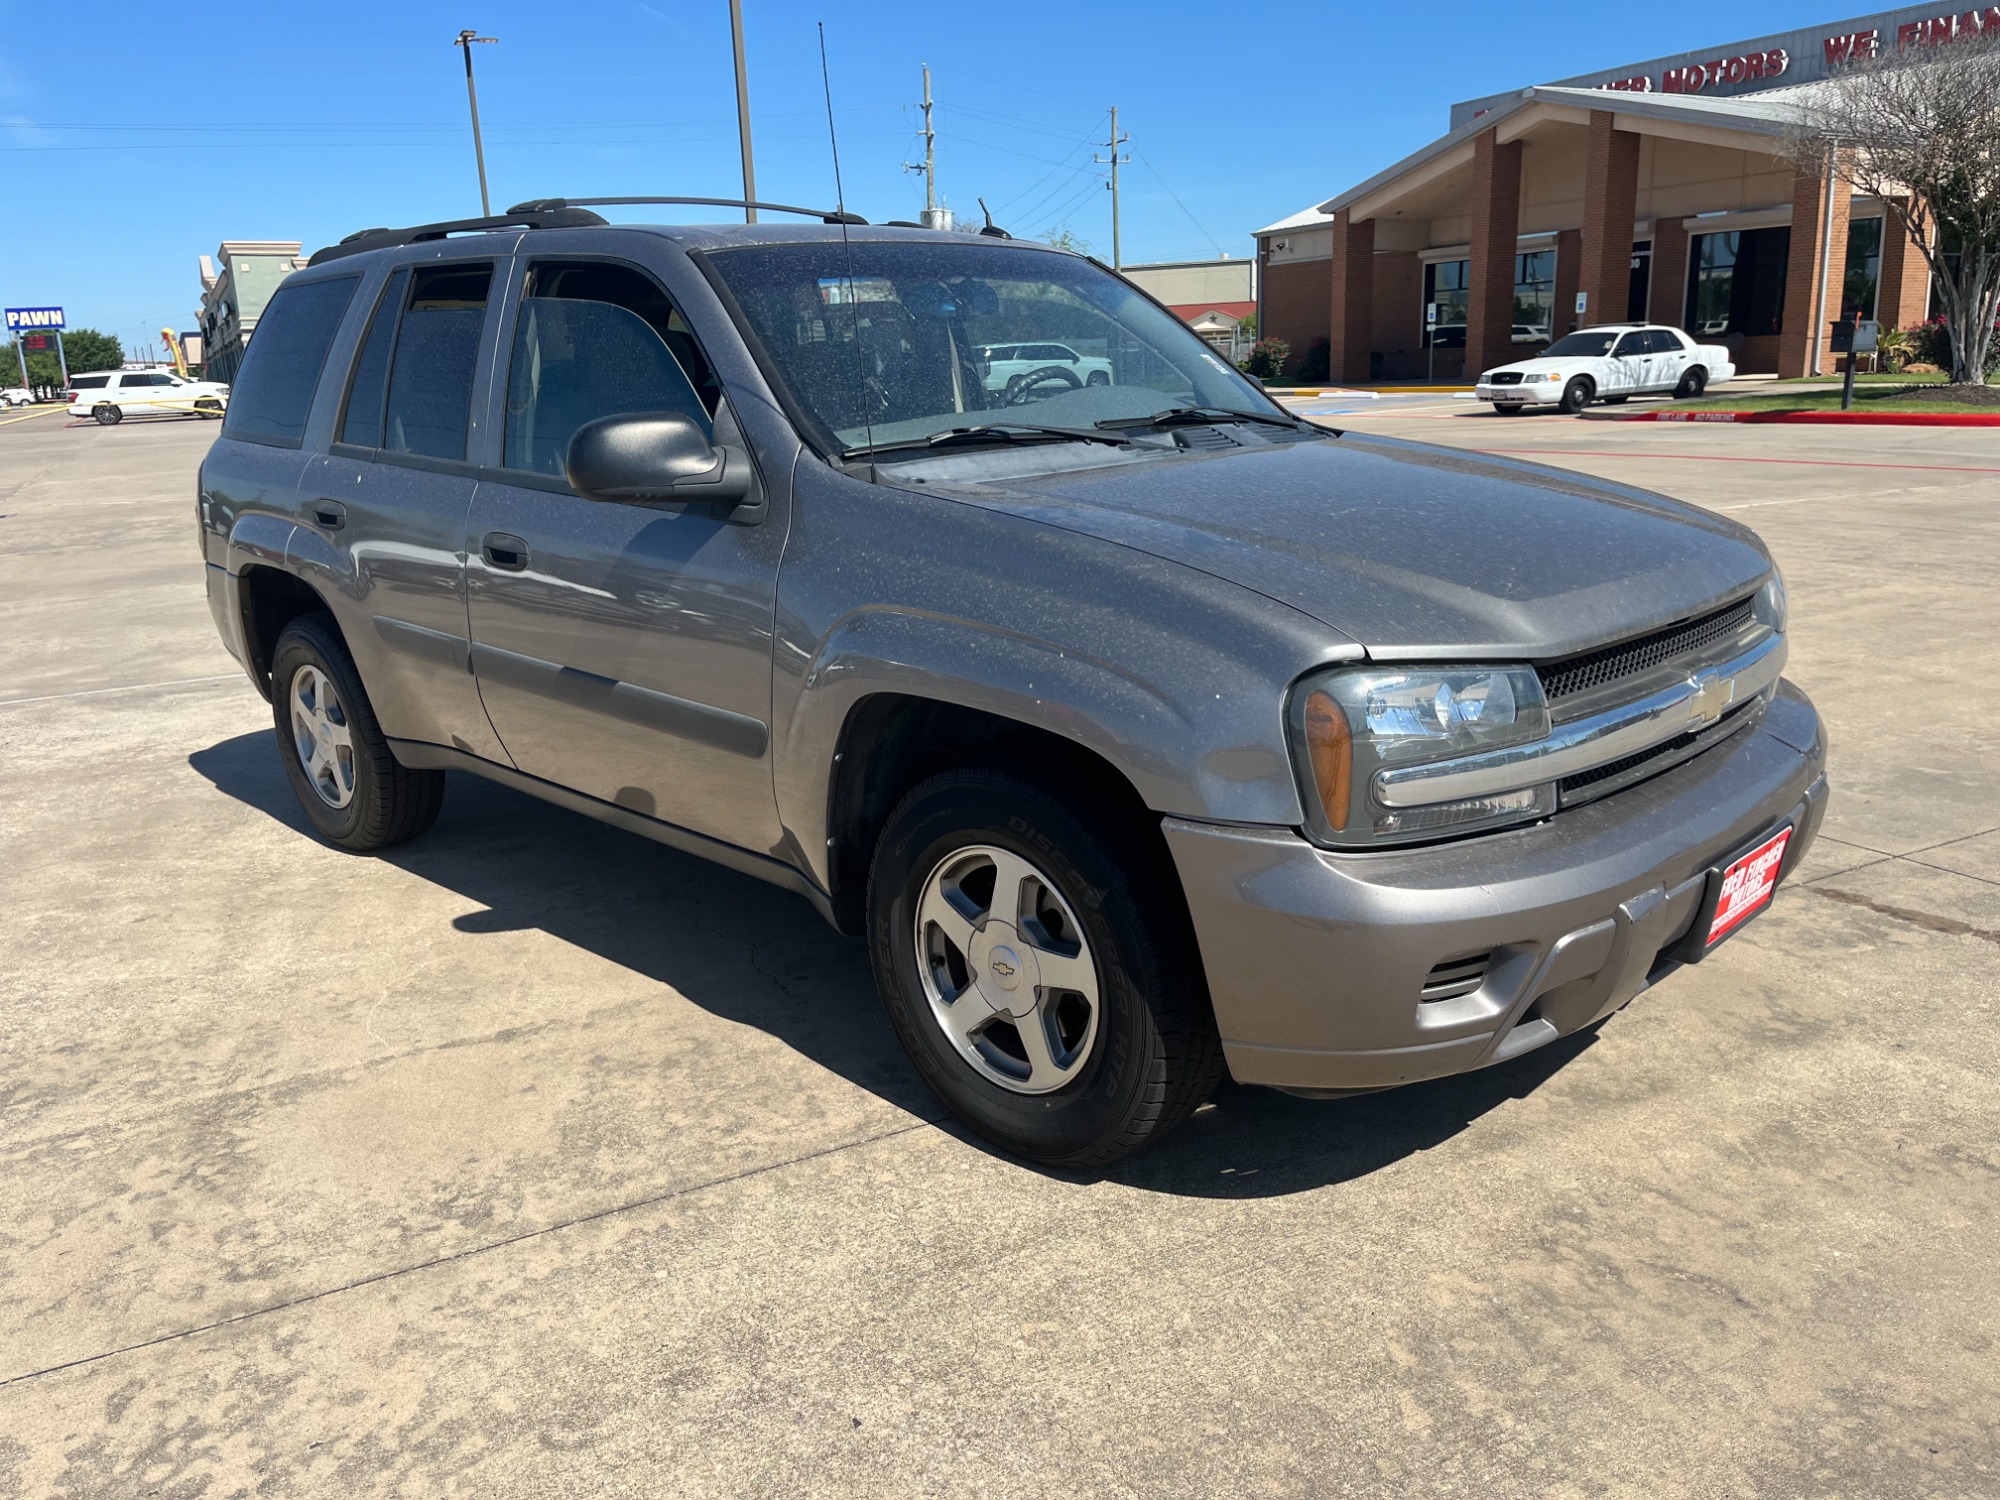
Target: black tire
(1576, 395)
(1504, 409)
(1693, 382)
(1097, 377)
(107, 415)
(390, 802)
(1156, 1054)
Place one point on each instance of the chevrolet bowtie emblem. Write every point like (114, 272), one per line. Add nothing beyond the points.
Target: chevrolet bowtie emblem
(1712, 694)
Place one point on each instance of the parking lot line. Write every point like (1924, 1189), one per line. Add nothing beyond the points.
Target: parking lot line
(48, 412)
(130, 687)
(1739, 458)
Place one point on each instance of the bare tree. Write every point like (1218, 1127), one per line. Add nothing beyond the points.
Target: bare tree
(1920, 130)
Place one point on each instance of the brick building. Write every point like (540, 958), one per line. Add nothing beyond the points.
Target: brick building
(1655, 191)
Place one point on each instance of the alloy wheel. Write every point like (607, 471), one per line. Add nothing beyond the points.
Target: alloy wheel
(1007, 970)
(321, 736)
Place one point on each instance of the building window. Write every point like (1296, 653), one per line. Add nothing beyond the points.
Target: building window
(1736, 281)
(1534, 296)
(1446, 288)
(1864, 269)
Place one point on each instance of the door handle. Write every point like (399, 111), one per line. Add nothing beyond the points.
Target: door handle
(329, 513)
(504, 551)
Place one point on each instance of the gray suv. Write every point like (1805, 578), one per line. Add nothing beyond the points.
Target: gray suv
(1142, 729)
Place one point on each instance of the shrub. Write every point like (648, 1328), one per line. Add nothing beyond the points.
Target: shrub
(1267, 358)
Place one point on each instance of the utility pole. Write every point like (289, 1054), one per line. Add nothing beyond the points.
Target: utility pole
(743, 110)
(933, 216)
(1114, 161)
(464, 43)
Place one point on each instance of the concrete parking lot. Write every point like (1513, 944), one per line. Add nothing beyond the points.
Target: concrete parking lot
(538, 1160)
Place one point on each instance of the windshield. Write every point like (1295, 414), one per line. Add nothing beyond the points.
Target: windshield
(1590, 342)
(922, 338)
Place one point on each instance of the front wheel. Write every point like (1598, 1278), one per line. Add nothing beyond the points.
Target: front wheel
(358, 796)
(1692, 384)
(1576, 396)
(1098, 377)
(1039, 969)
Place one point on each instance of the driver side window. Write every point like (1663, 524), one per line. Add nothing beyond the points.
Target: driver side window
(596, 339)
(1632, 343)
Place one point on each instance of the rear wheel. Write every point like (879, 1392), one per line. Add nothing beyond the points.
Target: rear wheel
(1576, 395)
(358, 796)
(1038, 969)
(107, 415)
(1692, 384)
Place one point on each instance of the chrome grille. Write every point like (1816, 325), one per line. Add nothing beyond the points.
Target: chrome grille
(1609, 664)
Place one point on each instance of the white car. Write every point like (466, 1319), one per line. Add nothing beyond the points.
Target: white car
(113, 395)
(1611, 362)
(1055, 367)
(15, 395)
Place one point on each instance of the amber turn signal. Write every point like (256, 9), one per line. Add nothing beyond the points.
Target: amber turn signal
(1330, 745)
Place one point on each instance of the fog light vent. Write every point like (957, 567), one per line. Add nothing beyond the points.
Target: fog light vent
(1455, 977)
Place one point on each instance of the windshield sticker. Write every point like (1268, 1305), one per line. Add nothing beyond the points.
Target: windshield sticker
(837, 291)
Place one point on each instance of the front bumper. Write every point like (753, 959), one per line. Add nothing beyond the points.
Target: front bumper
(1537, 393)
(1316, 960)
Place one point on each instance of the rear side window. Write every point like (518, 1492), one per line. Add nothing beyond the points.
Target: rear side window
(1665, 341)
(593, 340)
(368, 392)
(90, 382)
(430, 369)
(273, 391)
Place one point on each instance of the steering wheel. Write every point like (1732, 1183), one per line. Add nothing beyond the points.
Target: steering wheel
(1021, 388)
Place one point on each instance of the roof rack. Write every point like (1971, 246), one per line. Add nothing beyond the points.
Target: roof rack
(515, 218)
(559, 205)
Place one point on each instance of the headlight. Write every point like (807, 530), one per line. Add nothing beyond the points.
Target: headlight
(1348, 725)
(1769, 605)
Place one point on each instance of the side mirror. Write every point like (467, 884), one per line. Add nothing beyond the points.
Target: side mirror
(645, 458)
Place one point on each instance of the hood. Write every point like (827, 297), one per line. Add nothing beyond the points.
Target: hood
(1544, 362)
(1411, 551)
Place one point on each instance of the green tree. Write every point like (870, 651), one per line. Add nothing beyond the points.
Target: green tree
(1065, 238)
(85, 348)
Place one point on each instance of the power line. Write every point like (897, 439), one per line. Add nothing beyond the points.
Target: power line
(1177, 198)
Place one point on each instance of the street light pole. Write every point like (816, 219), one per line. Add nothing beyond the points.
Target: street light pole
(464, 43)
(743, 110)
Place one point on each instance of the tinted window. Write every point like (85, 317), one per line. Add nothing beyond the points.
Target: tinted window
(273, 390)
(1662, 341)
(1589, 343)
(430, 374)
(361, 419)
(90, 382)
(594, 340)
(1633, 343)
(147, 380)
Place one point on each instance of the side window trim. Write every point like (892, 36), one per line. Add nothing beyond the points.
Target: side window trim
(502, 267)
(396, 274)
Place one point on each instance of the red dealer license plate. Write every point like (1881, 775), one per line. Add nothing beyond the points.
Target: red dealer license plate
(1747, 886)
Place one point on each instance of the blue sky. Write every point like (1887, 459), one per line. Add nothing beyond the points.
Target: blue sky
(138, 138)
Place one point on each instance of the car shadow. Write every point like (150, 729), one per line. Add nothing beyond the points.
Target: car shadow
(759, 956)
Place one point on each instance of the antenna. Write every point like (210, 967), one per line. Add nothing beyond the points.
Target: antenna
(846, 249)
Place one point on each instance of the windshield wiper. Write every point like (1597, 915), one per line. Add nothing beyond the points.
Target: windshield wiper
(991, 432)
(1191, 416)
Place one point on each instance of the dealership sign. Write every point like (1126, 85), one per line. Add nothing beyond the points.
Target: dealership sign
(19, 318)
(1792, 57)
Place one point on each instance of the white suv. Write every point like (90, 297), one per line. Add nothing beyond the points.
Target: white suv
(113, 395)
(16, 395)
(1056, 367)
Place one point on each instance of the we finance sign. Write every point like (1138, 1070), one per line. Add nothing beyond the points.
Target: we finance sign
(30, 319)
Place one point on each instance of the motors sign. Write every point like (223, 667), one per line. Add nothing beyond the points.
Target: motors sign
(25, 319)
(1789, 58)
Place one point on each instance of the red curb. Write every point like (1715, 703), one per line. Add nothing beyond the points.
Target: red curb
(1822, 418)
